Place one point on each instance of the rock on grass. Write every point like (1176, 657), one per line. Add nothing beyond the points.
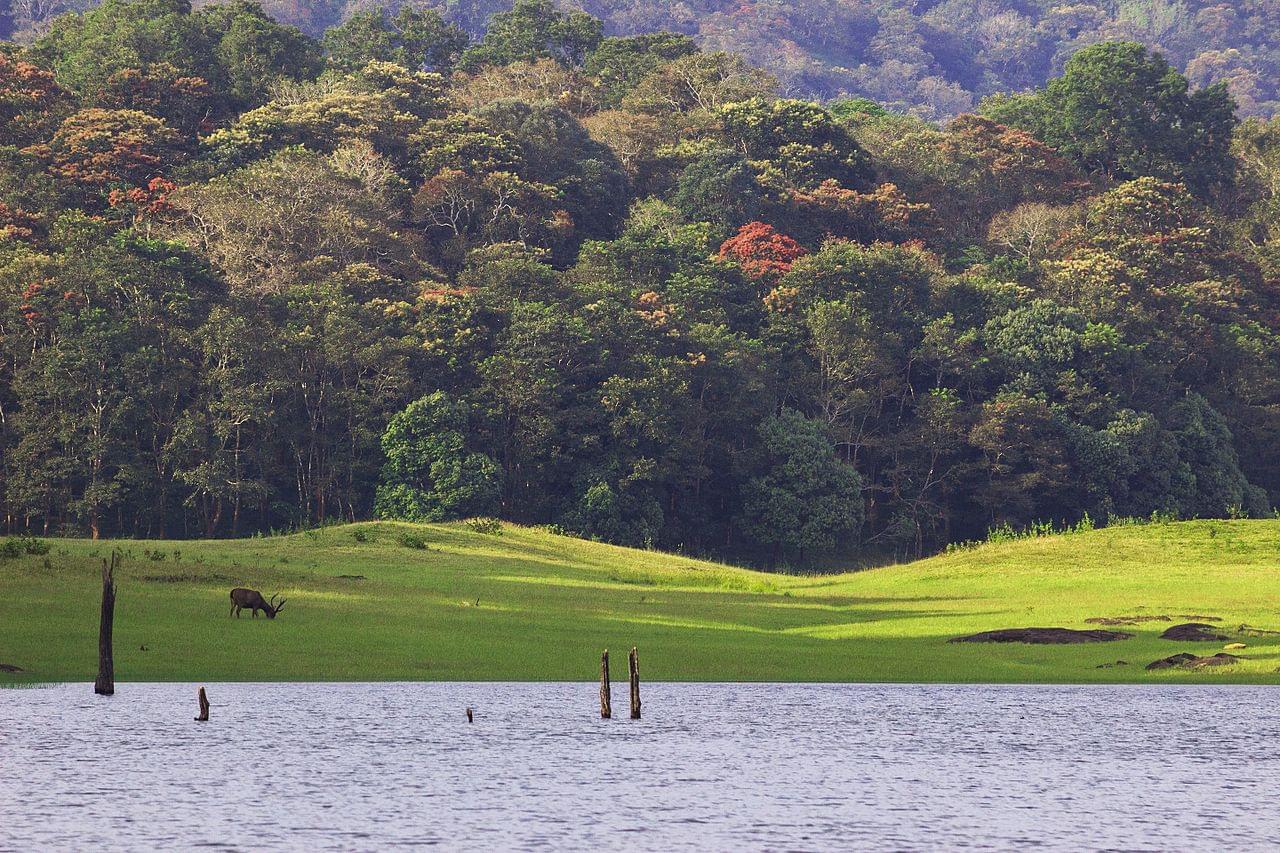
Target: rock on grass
(1186, 660)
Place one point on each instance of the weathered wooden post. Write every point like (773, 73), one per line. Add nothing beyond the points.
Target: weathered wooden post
(470, 718)
(106, 683)
(606, 691)
(633, 664)
(204, 706)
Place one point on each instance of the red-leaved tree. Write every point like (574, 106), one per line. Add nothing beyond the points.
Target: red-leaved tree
(761, 251)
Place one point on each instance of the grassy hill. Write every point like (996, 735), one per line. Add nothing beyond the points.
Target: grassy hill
(529, 605)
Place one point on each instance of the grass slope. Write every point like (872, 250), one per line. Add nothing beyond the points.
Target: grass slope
(528, 605)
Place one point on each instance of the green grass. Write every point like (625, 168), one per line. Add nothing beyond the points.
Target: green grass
(529, 605)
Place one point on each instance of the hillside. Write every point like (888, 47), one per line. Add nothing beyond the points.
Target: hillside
(529, 605)
(933, 59)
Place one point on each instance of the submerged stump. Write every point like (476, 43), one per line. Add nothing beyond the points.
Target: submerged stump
(633, 664)
(204, 706)
(606, 691)
(105, 685)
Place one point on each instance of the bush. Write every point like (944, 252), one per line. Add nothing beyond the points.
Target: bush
(35, 547)
(360, 535)
(16, 546)
(487, 526)
(412, 540)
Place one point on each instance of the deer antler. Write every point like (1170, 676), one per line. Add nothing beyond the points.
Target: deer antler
(276, 607)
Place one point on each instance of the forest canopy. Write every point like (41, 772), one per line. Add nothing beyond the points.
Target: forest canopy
(933, 60)
(256, 278)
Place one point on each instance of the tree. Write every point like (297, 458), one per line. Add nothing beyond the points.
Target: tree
(85, 50)
(105, 372)
(184, 103)
(620, 63)
(253, 52)
(557, 151)
(761, 251)
(803, 497)
(382, 104)
(236, 47)
(1257, 151)
(30, 99)
(798, 143)
(100, 148)
(531, 82)
(1026, 472)
(719, 187)
(699, 81)
(1124, 112)
(535, 29)
(462, 209)
(1030, 231)
(262, 225)
(417, 38)
(635, 139)
(429, 473)
(1014, 165)
(1216, 486)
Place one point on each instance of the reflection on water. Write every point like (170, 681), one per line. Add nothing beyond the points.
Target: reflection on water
(368, 766)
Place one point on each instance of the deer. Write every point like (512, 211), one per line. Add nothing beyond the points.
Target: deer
(251, 598)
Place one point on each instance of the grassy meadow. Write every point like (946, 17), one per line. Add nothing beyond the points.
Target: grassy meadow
(529, 605)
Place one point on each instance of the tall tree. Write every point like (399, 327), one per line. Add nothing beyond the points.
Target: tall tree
(1120, 110)
(804, 498)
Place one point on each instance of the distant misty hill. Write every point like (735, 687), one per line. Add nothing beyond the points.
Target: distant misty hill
(932, 59)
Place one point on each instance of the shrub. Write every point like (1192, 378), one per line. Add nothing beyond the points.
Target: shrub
(360, 535)
(35, 547)
(487, 526)
(412, 540)
(16, 546)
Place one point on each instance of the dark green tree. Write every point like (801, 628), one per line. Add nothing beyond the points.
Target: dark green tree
(618, 63)
(430, 474)
(415, 37)
(803, 497)
(535, 29)
(719, 187)
(1122, 111)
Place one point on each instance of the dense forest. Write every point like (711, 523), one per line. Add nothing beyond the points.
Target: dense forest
(933, 59)
(254, 280)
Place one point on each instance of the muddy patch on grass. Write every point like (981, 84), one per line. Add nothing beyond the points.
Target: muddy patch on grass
(1194, 632)
(8, 667)
(1044, 636)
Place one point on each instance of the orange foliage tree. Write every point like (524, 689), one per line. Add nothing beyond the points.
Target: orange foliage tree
(761, 251)
(101, 148)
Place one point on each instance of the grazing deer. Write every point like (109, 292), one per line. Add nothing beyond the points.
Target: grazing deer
(251, 598)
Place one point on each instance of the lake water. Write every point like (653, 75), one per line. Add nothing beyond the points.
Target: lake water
(710, 767)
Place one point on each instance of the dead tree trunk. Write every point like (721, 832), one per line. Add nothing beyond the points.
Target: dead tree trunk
(606, 691)
(204, 706)
(106, 683)
(633, 664)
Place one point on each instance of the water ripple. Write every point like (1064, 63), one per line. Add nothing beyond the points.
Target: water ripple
(729, 766)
